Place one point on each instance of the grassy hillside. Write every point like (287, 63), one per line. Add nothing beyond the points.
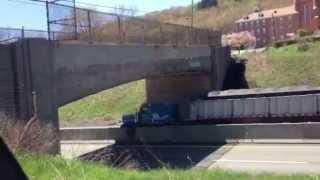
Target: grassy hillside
(47, 168)
(221, 17)
(105, 106)
(285, 66)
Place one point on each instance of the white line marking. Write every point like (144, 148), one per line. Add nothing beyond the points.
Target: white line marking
(266, 162)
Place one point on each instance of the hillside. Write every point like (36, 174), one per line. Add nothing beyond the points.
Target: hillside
(104, 106)
(220, 17)
(285, 66)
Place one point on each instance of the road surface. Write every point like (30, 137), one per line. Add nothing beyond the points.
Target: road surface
(278, 158)
(253, 158)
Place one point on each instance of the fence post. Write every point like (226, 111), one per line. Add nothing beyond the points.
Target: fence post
(22, 32)
(48, 20)
(119, 29)
(143, 32)
(177, 36)
(161, 35)
(75, 22)
(90, 27)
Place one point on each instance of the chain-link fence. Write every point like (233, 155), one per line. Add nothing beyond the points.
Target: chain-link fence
(93, 26)
(9, 35)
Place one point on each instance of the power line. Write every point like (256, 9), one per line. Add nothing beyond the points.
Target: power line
(26, 2)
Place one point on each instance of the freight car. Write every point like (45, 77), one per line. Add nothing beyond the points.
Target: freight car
(297, 104)
(295, 108)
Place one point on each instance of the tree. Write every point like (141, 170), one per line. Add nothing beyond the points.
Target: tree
(239, 40)
(207, 4)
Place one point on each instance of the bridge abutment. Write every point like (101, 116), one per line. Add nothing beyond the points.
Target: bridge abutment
(182, 89)
(27, 88)
(40, 76)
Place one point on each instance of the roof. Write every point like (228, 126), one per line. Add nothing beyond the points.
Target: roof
(289, 10)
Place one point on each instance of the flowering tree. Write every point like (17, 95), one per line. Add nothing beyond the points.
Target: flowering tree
(240, 40)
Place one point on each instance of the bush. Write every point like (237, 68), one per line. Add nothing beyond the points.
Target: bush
(303, 33)
(278, 44)
(315, 39)
(304, 46)
(207, 4)
(27, 136)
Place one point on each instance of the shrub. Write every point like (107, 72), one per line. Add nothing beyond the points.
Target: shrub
(207, 4)
(303, 46)
(282, 43)
(303, 33)
(28, 136)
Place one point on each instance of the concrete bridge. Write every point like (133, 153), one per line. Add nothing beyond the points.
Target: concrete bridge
(59, 73)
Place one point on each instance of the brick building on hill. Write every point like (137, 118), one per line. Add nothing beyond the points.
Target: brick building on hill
(277, 24)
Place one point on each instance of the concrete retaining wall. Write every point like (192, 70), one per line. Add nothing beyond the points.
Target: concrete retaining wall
(204, 134)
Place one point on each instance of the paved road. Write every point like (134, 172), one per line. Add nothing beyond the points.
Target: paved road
(73, 149)
(253, 158)
(299, 158)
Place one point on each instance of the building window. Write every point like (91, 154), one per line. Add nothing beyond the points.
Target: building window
(258, 31)
(307, 14)
(264, 22)
(280, 19)
(264, 30)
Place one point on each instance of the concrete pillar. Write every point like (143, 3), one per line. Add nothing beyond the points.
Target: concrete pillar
(186, 88)
(43, 84)
(26, 68)
(220, 62)
(7, 101)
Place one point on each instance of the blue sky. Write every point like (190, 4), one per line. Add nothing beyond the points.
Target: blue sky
(17, 14)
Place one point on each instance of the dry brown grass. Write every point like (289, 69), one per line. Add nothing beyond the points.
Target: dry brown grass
(28, 136)
(221, 17)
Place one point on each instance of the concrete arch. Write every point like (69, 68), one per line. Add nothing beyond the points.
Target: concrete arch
(82, 70)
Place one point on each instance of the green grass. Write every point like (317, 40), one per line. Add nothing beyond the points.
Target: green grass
(48, 168)
(106, 105)
(284, 66)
